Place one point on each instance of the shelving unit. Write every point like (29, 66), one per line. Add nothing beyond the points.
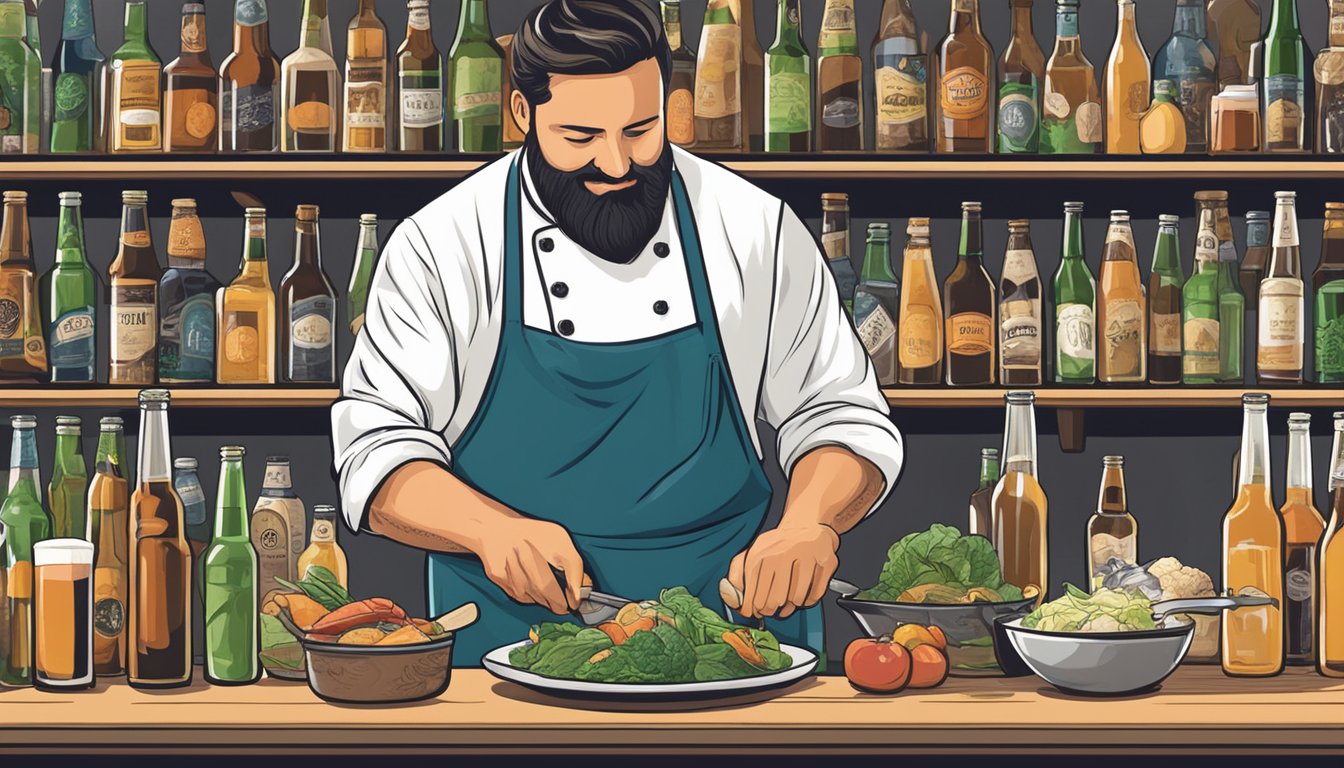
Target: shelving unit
(186, 397)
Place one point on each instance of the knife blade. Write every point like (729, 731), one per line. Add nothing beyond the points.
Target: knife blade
(594, 607)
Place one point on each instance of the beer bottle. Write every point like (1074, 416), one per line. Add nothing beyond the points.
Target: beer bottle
(901, 80)
(1020, 310)
(25, 523)
(1327, 283)
(308, 309)
(720, 123)
(920, 327)
(310, 81)
(1231, 302)
(195, 512)
(137, 99)
(79, 70)
(250, 83)
(229, 570)
(788, 85)
(681, 90)
(968, 295)
(1253, 266)
(1282, 311)
(835, 244)
(23, 352)
(1283, 81)
(159, 615)
(1075, 293)
(753, 79)
(133, 281)
(1330, 570)
(1122, 308)
(1128, 78)
(1201, 320)
(187, 303)
(1234, 27)
(1303, 527)
(1112, 532)
(965, 80)
(840, 99)
(366, 258)
(245, 314)
(513, 134)
(476, 67)
(982, 513)
(20, 83)
(109, 506)
(278, 524)
(1187, 62)
(1253, 556)
(420, 84)
(1165, 283)
(191, 118)
(1072, 122)
(66, 495)
(1021, 72)
(1328, 71)
(1020, 508)
(366, 82)
(875, 304)
(324, 551)
(72, 300)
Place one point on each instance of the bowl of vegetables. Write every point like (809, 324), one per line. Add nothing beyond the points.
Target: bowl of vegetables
(940, 578)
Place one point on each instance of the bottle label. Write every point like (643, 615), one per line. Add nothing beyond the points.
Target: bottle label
(1257, 236)
(242, 342)
(270, 537)
(877, 328)
(970, 333)
(718, 77)
(1122, 337)
(72, 96)
(364, 98)
(193, 35)
(681, 117)
(790, 103)
(20, 331)
(109, 612)
(1285, 232)
(1330, 328)
(310, 117)
(190, 492)
(200, 118)
(186, 240)
(837, 25)
(1066, 23)
(902, 92)
(1206, 248)
(1076, 332)
(1138, 101)
(1201, 347)
(964, 94)
(419, 17)
(72, 339)
(134, 322)
(1166, 334)
(1088, 122)
(1336, 22)
(251, 109)
(841, 112)
(277, 477)
(920, 346)
(138, 98)
(323, 530)
(250, 13)
(422, 107)
(198, 334)
(1196, 92)
(1298, 585)
(835, 244)
(1021, 335)
(1019, 266)
(1281, 324)
(311, 352)
(1017, 115)
(478, 88)
(1283, 116)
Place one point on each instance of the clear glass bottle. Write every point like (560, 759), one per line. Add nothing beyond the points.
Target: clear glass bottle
(1020, 507)
(1112, 531)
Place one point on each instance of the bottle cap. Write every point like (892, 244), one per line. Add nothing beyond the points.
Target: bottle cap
(254, 213)
(68, 421)
(1073, 207)
(1299, 419)
(835, 198)
(15, 196)
(185, 463)
(111, 424)
(1285, 196)
(1020, 398)
(1261, 217)
(1211, 196)
(368, 219)
(1113, 461)
(277, 460)
(232, 452)
(155, 397)
(1168, 219)
(193, 9)
(71, 199)
(135, 197)
(324, 510)
(1255, 400)
(184, 202)
(23, 422)
(989, 453)
(306, 213)
(971, 207)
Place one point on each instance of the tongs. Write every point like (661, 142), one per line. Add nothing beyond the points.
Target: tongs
(1209, 606)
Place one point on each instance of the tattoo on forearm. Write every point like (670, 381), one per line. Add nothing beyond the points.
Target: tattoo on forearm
(419, 535)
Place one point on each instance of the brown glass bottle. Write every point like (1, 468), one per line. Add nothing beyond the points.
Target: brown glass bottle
(1234, 28)
(840, 100)
(249, 93)
(1282, 310)
(965, 80)
(681, 90)
(982, 507)
(1020, 322)
(366, 82)
(192, 98)
(133, 285)
(307, 309)
(422, 125)
(23, 352)
(968, 296)
(753, 79)
(1021, 73)
(513, 135)
(901, 81)
(1256, 260)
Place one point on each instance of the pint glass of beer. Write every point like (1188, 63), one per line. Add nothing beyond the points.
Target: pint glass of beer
(63, 613)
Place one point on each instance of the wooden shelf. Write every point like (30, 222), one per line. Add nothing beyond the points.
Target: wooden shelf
(185, 397)
(802, 168)
(1109, 397)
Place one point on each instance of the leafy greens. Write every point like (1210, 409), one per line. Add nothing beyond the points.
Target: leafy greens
(1106, 610)
(942, 566)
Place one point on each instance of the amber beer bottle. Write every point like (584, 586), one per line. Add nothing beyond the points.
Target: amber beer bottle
(1234, 28)
(1122, 308)
(365, 82)
(420, 85)
(965, 80)
(1072, 122)
(109, 505)
(968, 295)
(681, 89)
(1303, 527)
(901, 81)
(1019, 505)
(1330, 569)
(308, 309)
(192, 91)
(840, 99)
(23, 351)
(1112, 532)
(1282, 312)
(249, 99)
(920, 327)
(1021, 73)
(133, 280)
(1127, 84)
(159, 617)
(1253, 560)
(1166, 282)
(720, 122)
(1020, 332)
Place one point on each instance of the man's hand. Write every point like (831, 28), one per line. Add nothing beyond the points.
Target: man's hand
(518, 554)
(785, 569)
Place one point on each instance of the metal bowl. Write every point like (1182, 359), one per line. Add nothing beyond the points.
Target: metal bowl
(1103, 663)
(973, 650)
(371, 674)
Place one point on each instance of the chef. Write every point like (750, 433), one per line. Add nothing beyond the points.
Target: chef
(565, 359)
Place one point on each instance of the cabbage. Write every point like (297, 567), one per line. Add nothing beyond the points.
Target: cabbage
(942, 566)
(1106, 610)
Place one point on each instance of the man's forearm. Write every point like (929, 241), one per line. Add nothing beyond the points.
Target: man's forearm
(424, 506)
(832, 486)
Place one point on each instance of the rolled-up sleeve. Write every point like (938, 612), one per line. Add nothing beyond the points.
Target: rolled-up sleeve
(400, 386)
(820, 387)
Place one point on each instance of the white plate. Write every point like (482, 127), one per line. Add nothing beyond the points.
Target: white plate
(497, 662)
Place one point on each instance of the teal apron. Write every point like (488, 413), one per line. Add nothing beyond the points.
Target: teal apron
(639, 449)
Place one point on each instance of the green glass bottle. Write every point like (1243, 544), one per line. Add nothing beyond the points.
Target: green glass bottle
(1283, 85)
(229, 576)
(876, 304)
(1231, 301)
(1200, 314)
(26, 523)
(20, 82)
(66, 495)
(79, 70)
(476, 67)
(135, 106)
(1327, 283)
(1075, 293)
(788, 86)
(366, 258)
(70, 297)
(1164, 304)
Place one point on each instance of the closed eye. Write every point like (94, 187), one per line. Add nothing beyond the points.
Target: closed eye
(635, 134)
(580, 141)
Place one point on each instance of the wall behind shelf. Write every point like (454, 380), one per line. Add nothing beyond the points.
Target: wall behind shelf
(1180, 463)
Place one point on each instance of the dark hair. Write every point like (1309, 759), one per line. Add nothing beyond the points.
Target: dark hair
(585, 37)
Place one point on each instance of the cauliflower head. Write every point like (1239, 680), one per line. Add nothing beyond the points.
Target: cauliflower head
(1181, 581)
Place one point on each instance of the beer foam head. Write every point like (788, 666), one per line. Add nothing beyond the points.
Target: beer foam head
(62, 552)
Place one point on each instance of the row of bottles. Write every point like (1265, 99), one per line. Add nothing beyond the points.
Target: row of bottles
(1115, 329)
(159, 535)
(131, 102)
(179, 325)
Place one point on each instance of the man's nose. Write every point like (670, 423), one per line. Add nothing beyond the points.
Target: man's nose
(612, 159)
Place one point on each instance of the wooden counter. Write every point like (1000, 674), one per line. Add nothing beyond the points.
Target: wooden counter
(1198, 710)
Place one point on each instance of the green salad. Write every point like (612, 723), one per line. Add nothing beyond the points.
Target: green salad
(1106, 610)
(674, 639)
(942, 566)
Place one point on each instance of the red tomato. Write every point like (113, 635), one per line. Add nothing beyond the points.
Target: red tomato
(877, 666)
(930, 667)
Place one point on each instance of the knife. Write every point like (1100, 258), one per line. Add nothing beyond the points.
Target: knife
(594, 607)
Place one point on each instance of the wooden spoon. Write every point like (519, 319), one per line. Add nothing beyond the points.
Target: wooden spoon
(457, 619)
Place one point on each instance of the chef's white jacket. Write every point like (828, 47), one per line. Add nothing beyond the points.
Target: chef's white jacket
(432, 326)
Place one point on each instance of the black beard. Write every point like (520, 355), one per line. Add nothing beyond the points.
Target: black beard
(616, 226)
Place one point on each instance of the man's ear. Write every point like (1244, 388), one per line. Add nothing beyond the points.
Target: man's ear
(522, 112)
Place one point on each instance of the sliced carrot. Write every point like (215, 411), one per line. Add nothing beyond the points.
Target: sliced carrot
(741, 642)
(614, 631)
